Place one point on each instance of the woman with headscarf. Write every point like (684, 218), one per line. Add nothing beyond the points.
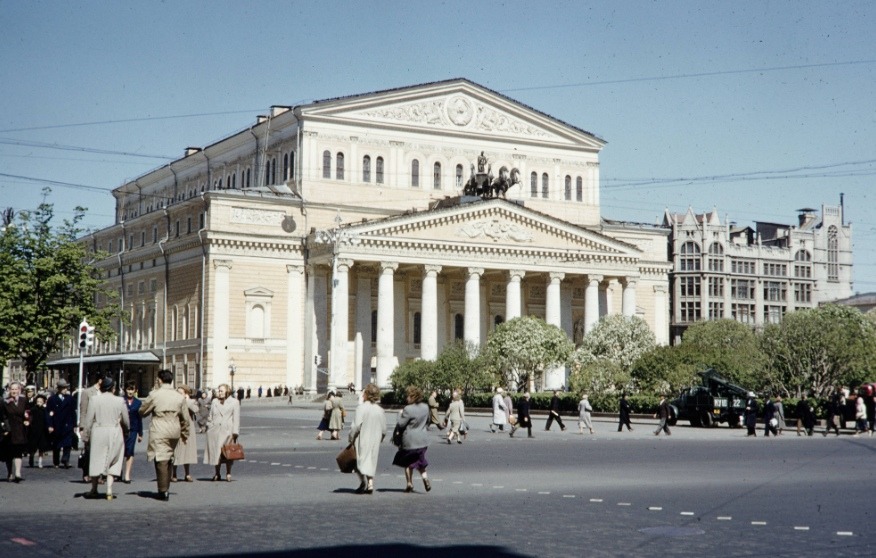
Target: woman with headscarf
(223, 425)
(327, 407)
(13, 445)
(186, 452)
(369, 429)
(104, 428)
(584, 410)
(411, 453)
(336, 419)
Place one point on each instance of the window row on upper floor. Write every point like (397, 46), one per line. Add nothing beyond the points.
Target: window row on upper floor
(539, 184)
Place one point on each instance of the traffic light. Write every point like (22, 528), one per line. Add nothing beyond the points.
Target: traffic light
(317, 360)
(84, 335)
(89, 336)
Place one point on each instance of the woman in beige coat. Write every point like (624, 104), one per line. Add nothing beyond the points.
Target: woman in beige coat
(186, 452)
(223, 425)
(336, 422)
(104, 428)
(454, 417)
(369, 428)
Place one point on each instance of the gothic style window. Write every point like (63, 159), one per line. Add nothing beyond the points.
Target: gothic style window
(690, 257)
(567, 192)
(544, 186)
(579, 189)
(378, 170)
(716, 257)
(366, 168)
(533, 185)
(459, 176)
(436, 176)
(832, 254)
(326, 164)
(803, 264)
(415, 173)
(340, 167)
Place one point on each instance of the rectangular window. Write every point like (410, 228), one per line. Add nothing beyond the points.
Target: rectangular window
(716, 286)
(716, 310)
(689, 286)
(802, 292)
(690, 311)
(188, 225)
(743, 313)
(775, 291)
(741, 289)
(154, 234)
(176, 227)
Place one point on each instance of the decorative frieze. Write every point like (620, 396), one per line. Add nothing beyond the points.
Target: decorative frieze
(249, 216)
(496, 230)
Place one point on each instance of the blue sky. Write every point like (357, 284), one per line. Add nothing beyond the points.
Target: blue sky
(754, 108)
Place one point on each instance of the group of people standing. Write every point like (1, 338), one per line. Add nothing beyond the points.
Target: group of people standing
(110, 427)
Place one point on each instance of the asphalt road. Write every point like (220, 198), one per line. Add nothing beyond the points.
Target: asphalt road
(697, 493)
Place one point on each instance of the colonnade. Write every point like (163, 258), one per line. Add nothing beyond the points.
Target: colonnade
(386, 300)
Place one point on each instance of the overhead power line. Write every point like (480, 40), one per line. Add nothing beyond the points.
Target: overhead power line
(62, 147)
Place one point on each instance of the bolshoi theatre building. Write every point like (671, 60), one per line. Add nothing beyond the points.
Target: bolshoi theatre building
(328, 242)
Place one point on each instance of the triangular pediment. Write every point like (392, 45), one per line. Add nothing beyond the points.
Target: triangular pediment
(454, 106)
(493, 226)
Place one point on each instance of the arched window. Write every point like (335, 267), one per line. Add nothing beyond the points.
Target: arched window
(545, 190)
(339, 171)
(326, 164)
(285, 166)
(248, 178)
(366, 168)
(415, 173)
(716, 257)
(579, 189)
(458, 326)
(378, 170)
(436, 176)
(832, 254)
(291, 165)
(459, 176)
(234, 180)
(690, 257)
(567, 191)
(418, 334)
(533, 185)
(256, 322)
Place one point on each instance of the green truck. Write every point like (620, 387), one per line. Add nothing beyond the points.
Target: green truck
(714, 402)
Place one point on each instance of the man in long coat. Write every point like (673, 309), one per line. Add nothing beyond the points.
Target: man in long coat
(169, 425)
(62, 422)
(104, 429)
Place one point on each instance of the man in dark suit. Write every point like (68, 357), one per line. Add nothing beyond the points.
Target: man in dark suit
(554, 413)
(624, 418)
(751, 411)
(662, 414)
(62, 420)
(523, 418)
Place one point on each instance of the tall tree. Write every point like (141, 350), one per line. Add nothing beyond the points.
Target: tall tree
(666, 369)
(47, 285)
(731, 348)
(520, 350)
(819, 348)
(617, 338)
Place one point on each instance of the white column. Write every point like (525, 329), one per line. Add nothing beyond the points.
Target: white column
(340, 325)
(363, 323)
(513, 300)
(429, 314)
(385, 319)
(552, 299)
(473, 305)
(661, 315)
(628, 306)
(591, 303)
(294, 326)
(219, 312)
(554, 377)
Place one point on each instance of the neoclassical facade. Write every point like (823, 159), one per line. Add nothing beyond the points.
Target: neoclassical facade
(331, 241)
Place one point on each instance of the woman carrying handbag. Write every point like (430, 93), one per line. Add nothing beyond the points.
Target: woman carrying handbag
(222, 424)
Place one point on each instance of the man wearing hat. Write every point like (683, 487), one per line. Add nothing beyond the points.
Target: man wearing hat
(170, 424)
(104, 428)
(62, 421)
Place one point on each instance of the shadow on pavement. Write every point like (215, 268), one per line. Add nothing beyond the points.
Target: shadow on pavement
(388, 551)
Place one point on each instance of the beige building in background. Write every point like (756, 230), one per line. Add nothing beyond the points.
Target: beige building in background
(331, 241)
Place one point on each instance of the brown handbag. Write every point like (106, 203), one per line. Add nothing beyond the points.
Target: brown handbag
(347, 459)
(232, 451)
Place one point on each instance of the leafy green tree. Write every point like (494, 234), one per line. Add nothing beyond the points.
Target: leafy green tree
(47, 285)
(731, 348)
(598, 376)
(520, 350)
(665, 369)
(819, 348)
(420, 373)
(459, 366)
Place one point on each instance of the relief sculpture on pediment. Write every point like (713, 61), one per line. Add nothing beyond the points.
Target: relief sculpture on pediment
(496, 230)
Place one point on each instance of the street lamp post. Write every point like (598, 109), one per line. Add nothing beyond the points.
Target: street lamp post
(231, 370)
(337, 238)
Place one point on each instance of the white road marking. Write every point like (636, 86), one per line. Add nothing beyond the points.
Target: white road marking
(687, 513)
(544, 492)
(310, 468)
(655, 508)
(498, 487)
(568, 495)
(274, 464)
(724, 518)
(758, 522)
(476, 484)
(623, 504)
(844, 533)
(596, 499)
(457, 482)
(287, 464)
(520, 489)
(800, 528)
